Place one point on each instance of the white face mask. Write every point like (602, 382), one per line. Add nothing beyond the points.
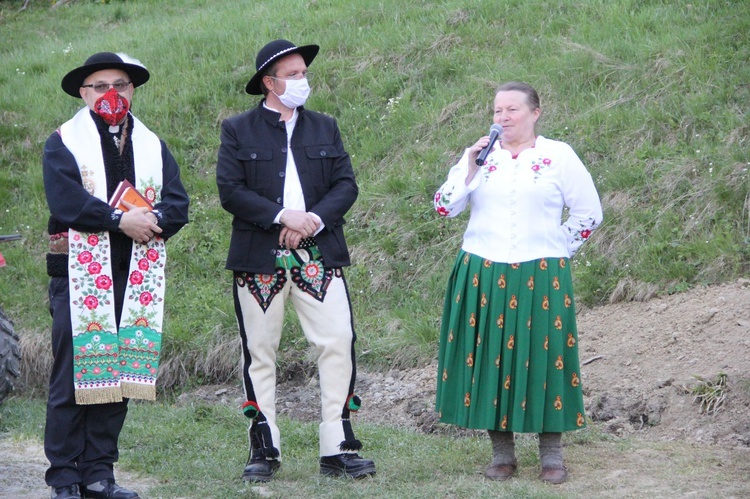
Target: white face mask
(296, 93)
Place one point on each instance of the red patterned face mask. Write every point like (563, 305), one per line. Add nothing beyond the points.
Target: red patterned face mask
(112, 107)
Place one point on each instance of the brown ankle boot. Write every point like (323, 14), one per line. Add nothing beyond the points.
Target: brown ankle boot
(500, 472)
(554, 476)
(550, 454)
(503, 465)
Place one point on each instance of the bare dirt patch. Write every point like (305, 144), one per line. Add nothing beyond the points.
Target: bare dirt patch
(654, 354)
(642, 361)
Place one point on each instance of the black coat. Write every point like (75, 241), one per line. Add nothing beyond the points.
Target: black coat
(71, 206)
(250, 177)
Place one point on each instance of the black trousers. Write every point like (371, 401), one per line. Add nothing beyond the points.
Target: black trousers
(80, 441)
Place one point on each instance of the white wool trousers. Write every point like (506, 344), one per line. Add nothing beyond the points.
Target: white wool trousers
(327, 326)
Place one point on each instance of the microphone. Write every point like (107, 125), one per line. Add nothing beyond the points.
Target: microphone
(495, 131)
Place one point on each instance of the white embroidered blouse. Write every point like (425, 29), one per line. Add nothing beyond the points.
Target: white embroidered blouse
(517, 203)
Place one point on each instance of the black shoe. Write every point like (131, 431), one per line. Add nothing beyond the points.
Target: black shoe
(350, 465)
(67, 492)
(260, 470)
(107, 489)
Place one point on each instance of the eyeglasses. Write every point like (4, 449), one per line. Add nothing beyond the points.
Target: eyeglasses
(298, 76)
(101, 87)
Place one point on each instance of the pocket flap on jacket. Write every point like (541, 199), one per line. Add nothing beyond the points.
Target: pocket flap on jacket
(254, 154)
(322, 152)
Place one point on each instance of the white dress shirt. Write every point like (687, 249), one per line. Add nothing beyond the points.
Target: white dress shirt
(294, 199)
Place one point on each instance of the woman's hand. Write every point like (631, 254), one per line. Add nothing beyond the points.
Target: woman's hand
(473, 154)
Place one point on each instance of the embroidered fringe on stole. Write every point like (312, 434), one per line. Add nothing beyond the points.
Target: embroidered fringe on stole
(114, 361)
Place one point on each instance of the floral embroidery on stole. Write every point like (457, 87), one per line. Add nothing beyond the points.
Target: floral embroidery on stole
(112, 361)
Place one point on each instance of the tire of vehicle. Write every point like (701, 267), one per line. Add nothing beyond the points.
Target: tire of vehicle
(10, 357)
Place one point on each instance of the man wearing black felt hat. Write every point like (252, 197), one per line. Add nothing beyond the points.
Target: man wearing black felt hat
(284, 175)
(106, 265)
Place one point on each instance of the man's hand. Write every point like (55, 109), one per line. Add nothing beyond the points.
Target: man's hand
(138, 223)
(289, 238)
(299, 221)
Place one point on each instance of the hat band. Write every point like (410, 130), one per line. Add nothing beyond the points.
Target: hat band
(275, 56)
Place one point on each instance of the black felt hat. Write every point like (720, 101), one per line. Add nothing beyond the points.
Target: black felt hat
(138, 74)
(274, 51)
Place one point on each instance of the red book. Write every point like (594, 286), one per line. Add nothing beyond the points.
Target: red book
(126, 191)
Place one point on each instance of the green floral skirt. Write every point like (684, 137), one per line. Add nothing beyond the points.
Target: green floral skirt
(508, 356)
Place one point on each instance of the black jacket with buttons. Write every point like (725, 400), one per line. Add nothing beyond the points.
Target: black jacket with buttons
(250, 177)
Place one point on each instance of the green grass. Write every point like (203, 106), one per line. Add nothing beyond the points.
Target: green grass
(653, 95)
(197, 450)
(200, 450)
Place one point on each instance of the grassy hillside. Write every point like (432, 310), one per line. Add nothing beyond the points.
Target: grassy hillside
(652, 94)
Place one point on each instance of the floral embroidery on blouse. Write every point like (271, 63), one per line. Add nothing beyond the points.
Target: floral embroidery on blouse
(579, 233)
(442, 201)
(539, 165)
(442, 198)
(487, 169)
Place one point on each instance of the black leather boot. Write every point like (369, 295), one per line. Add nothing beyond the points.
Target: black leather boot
(350, 465)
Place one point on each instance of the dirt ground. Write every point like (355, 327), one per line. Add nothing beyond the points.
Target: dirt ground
(642, 364)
